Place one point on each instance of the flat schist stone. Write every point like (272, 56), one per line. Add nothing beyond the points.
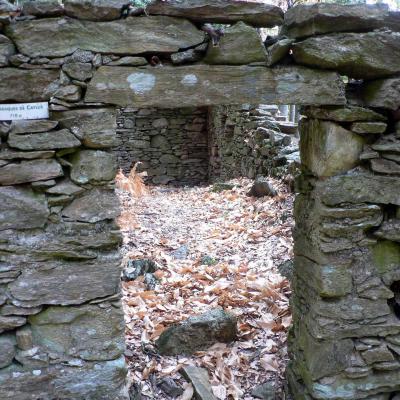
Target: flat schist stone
(220, 11)
(157, 34)
(204, 85)
(309, 20)
(18, 85)
(370, 55)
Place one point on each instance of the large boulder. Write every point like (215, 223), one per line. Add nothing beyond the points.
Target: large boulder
(359, 55)
(22, 208)
(126, 37)
(220, 11)
(30, 171)
(202, 85)
(22, 90)
(198, 333)
(7, 49)
(382, 93)
(241, 44)
(322, 150)
(94, 10)
(315, 19)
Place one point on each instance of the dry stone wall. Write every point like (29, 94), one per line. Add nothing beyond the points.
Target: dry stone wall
(171, 144)
(250, 140)
(61, 332)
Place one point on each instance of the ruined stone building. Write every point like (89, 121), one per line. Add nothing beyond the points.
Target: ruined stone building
(153, 75)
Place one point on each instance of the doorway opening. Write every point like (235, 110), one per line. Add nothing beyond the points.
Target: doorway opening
(200, 238)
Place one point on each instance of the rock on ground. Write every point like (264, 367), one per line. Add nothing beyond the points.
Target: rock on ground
(198, 333)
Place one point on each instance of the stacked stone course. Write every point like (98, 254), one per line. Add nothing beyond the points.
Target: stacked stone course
(60, 318)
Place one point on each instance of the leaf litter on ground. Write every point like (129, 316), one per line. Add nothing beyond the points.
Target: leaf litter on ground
(212, 249)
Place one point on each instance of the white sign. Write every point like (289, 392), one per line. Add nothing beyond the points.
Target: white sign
(12, 112)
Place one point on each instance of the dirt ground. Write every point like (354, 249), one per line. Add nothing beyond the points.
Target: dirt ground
(212, 249)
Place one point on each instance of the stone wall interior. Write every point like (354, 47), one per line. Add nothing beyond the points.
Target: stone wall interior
(61, 324)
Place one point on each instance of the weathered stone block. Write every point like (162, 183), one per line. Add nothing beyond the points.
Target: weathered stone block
(94, 10)
(43, 8)
(7, 49)
(22, 89)
(198, 333)
(220, 11)
(67, 282)
(30, 171)
(202, 85)
(241, 44)
(315, 19)
(93, 166)
(67, 35)
(53, 140)
(93, 206)
(368, 127)
(95, 127)
(22, 208)
(7, 349)
(343, 114)
(327, 280)
(79, 71)
(322, 150)
(90, 332)
(359, 188)
(359, 55)
(382, 93)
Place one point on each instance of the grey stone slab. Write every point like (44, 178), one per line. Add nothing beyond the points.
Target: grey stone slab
(315, 19)
(22, 208)
(220, 11)
(30, 171)
(369, 55)
(16, 84)
(67, 35)
(202, 85)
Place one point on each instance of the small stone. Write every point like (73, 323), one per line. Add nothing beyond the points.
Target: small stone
(160, 123)
(7, 50)
(384, 166)
(43, 185)
(278, 51)
(7, 154)
(265, 391)
(221, 186)
(377, 354)
(261, 187)
(170, 387)
(7, 349)
(80, 56)
(65, 187)
(78, 70)
(69, 93)
(11, 322)
(198, 333)
(200, 381)
(129, 61)
(18, 59)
